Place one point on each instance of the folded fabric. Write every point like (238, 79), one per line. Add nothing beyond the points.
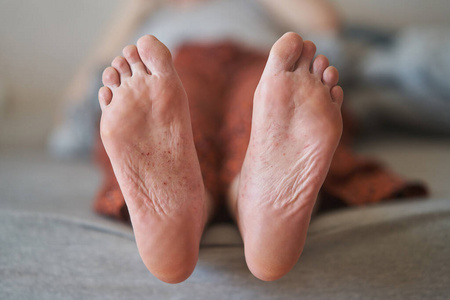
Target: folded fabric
(220, 80)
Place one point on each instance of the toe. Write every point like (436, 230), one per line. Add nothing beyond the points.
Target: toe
(305, 60)
(122, 66)
(111, 77)
(319, 65)
(104, 96)
(330, 76)
(337, 94)
(285, 53)
(155, 55)
(131, 54)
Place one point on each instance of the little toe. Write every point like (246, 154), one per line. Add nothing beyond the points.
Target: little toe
(337, 94)
(155, 55)
(122, 66)
(131, 53)
(330, 76)
(284, 53)
(319, 65)
(305, 60)
(104, 97)
(111, 77)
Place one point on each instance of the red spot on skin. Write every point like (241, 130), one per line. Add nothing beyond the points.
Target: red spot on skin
(284, 154)
(169, 152)
(148, 153)
(165, 183)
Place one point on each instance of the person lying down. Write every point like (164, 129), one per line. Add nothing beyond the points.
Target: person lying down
(223, 124)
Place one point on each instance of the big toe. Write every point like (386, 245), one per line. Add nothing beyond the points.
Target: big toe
(284, 53)
(155, 55)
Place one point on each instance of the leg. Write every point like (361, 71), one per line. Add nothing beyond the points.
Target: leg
(306, 16)
(296, 127)
(146, 131)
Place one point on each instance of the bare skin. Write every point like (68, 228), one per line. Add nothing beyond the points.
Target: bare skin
(296, 128)
(146, 131)
(304, 16)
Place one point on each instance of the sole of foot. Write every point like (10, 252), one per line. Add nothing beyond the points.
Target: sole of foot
(296, 128)
(146, 130)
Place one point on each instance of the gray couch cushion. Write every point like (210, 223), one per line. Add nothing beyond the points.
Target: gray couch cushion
(393, 251)
(52, 246)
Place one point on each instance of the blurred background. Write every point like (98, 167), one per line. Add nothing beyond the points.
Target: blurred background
(43, 42)
(396, 77)
(394, 68)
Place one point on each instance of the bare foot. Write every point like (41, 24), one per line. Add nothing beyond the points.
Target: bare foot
(146, 131)
(296, 128)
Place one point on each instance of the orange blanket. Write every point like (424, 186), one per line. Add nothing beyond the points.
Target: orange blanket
(220, 81)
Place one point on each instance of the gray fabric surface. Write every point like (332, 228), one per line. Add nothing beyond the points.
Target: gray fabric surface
(396, 252)
(53, 247)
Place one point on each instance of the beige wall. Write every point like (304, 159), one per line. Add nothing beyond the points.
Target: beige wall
(42, 41)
